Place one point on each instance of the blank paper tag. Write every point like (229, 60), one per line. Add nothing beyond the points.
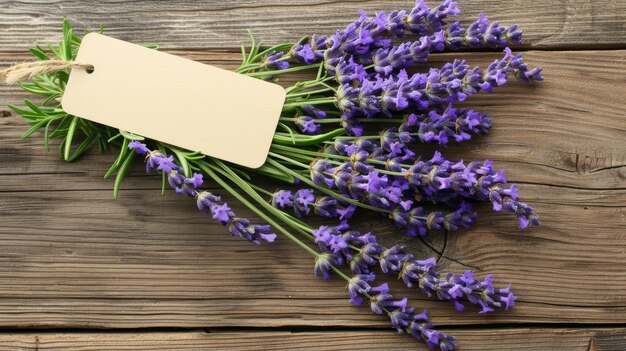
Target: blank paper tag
(174, 100)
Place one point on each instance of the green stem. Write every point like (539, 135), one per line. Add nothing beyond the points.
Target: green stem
(339, 120)
(283, 71)
(265, 217)
(248, 67)
(310, 92)
(326, 155)
(307, 84)
(370, 136)
(299, 226)
(258, 188)
(329, 100)
(293, 222)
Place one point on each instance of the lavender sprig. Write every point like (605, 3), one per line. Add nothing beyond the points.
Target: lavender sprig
(368, 38)
(303, 200)
(436, 180)
(451, 83)
(403, 318)
(338, 244)
(206, 201)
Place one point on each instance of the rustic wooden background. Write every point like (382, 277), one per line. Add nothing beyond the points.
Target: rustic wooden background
(79, 270)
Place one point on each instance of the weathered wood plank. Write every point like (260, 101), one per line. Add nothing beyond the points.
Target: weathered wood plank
(190, 24)
(516, 339)
(72, 257)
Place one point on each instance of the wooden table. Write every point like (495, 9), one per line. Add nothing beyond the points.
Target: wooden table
(79, 270)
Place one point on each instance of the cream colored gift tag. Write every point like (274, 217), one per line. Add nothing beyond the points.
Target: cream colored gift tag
(174, 100)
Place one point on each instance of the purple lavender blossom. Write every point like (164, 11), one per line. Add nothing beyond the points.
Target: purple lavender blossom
(402, 317)
(138, 147)
(307, 125)
(368, 39)
(282, 199)
(456, 288)
(323, 264)
(309, 110)
(436, 180)
(452, 124)
(274, 61)
(206, 202)
(453, 287)
(452, 82)
(304, 53)
(325, 206)
(302, 200)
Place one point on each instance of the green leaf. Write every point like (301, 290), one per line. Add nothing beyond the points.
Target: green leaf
(46, 135)
(35, 127)
(115, 137)
(24, 113)
(254, 48)
(34, 107)
(82, 147)
(118, 161)
(102, 143)
(131, 136)
(163, 181)
(44, 82)
(241, 173)
(66, 49)
(70, 136)
(182, 160)
(33, 88)
(243, 55)
(151, 46)
(61, 148)
(272, 172)
(289, 130)
(307, 140)
(50, 98)
(128, 160)
(62, 127)
(39, 53)
(55, 51)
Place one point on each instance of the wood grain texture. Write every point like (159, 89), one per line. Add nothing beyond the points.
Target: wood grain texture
(73, 260)
(497, 339)
(73, 257)
(222, 24)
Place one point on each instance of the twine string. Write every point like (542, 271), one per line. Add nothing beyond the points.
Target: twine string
(23, 71)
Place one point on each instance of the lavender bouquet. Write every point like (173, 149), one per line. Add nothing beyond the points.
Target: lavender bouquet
(329, 144)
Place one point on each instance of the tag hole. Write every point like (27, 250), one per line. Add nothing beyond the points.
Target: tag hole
(90, 70)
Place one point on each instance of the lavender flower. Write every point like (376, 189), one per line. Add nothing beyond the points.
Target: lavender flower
(453, 82)
(307, 125)
(282, 199)
(309, 110)
(452, 124)
(206, 202)
(325, 206)
(323, 264)
(402, 317)
(368, 39)
(276, 61)
(302, 199)
(436, 180)
(453, 287)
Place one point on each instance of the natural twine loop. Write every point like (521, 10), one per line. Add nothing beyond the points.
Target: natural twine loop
(23, 71)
